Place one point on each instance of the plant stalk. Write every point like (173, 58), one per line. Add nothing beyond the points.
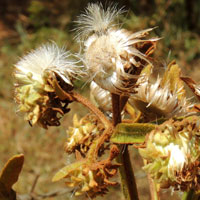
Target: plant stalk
(108, 125)
(153, 189)
(190, 195)
(74, 96)
(79, 98)
(126, 172)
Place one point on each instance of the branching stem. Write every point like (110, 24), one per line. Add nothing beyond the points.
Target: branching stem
(74, 96)
(79, 98)
(126, 172)
(93, 153)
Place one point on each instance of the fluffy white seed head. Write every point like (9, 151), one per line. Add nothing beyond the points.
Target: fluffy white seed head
(159, 101)
(46, 58)
(35, 90)
(112, 59)
(96, 19)
(112, 56)
(178, 158)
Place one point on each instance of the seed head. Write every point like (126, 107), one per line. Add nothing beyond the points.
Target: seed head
(114, 57)
(96, 19)
(155, 101)
(46, 58)
(35, 92)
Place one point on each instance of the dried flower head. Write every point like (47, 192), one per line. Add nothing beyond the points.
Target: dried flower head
(172, 154)
(155, 100)
(90, 177)
(35, 92)
(83, 133)
(114, 57)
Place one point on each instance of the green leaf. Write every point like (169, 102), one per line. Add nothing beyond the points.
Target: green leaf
(131, 133)
(65, 171)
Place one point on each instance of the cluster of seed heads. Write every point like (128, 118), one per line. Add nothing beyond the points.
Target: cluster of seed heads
(115, 61)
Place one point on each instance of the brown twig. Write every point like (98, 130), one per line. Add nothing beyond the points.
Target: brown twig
(93, 153)
(127, 175)
(33, 186)
(74, 96)
(79, 98)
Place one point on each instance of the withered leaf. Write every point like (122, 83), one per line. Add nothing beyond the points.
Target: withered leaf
(6, 195)
(192, 85)
(9, 176)
(10, 173)
(172, 77)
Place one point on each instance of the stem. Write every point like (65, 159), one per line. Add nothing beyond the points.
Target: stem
(116, 109)
(127, 175)
(153, 189)
(123, 101)
(79, 98)
(126, 172)
(34, 183)
(108, 126)
(93, 153)
(94, 149)
(73, 96)
(190, 195)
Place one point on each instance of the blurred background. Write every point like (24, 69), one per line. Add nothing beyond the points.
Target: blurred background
(25, 24)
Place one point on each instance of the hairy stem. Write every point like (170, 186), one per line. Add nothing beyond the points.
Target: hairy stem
(79, 98)
(108, 126)
(93, 153)
(126, 172)
(94, 149)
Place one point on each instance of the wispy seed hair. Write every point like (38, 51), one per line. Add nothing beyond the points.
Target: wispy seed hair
(96, 19)
(47, 57)
(162, 99)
